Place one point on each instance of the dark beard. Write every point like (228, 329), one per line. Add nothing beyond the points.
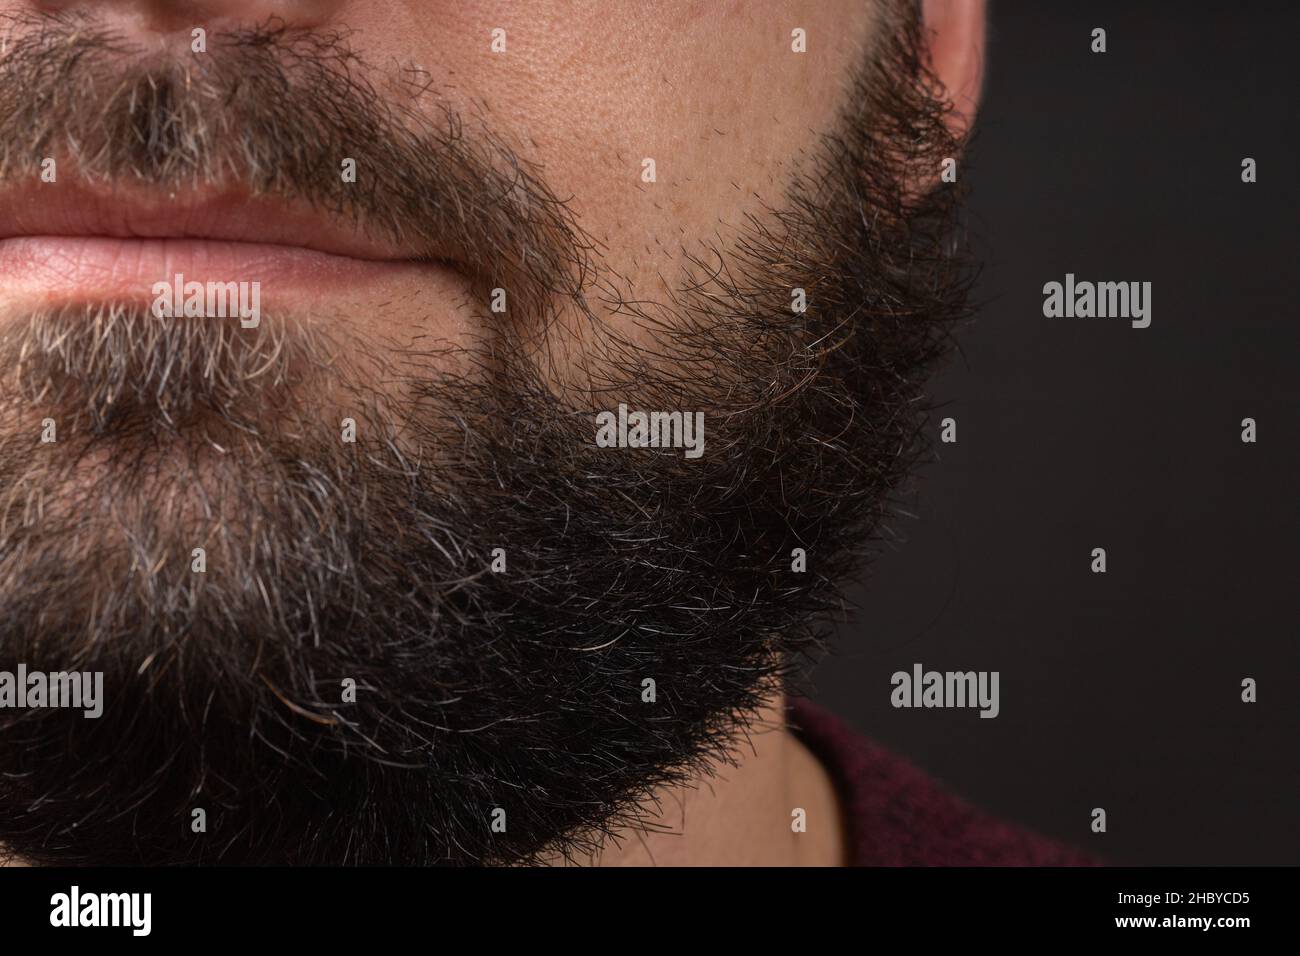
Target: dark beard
(521, 690)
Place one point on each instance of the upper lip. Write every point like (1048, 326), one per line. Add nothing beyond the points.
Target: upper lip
(229, 215)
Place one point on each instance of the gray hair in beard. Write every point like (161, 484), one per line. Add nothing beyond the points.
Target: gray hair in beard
(328, 562)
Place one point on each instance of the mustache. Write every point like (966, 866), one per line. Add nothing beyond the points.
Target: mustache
(368, 561)
(277, 113)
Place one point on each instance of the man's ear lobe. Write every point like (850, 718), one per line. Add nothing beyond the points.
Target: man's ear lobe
(954, 34)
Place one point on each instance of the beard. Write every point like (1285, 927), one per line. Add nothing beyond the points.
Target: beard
(472, 635)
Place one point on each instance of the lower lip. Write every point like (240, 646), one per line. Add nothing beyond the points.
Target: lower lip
(55, 269)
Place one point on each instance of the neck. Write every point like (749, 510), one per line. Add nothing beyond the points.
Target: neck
(742, 815)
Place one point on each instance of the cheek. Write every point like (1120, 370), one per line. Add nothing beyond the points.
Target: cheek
(663, 127)
(663, 136)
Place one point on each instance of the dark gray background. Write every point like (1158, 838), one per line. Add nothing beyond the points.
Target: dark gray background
(1119, 690)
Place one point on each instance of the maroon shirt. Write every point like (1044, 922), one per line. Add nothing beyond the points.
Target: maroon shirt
(897, 816)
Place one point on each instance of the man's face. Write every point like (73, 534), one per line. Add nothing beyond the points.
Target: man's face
(376, 564)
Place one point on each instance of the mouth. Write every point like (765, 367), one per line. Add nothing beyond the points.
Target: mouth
(75, 242)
